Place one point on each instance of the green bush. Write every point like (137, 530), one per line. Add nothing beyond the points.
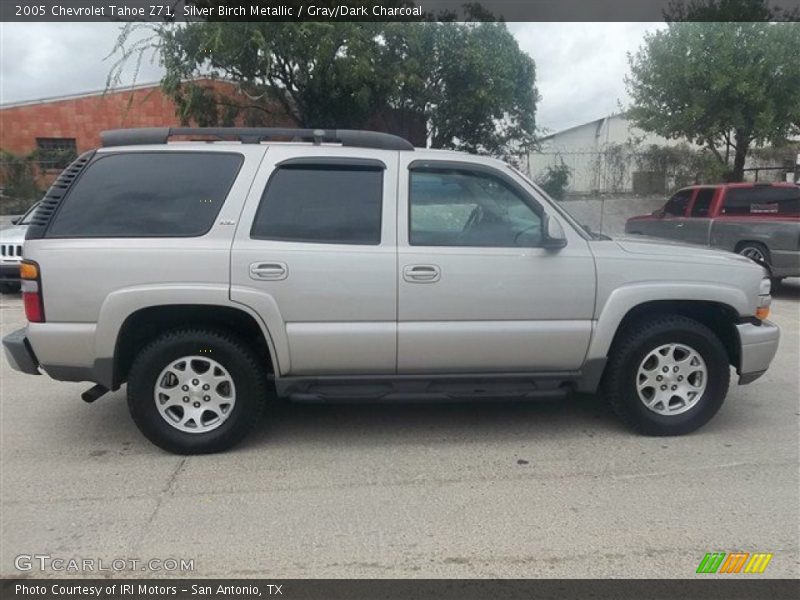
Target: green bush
(555, 180)
(18, 183)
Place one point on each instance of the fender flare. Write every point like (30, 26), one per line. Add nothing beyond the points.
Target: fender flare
(624, 299)
(121, 304)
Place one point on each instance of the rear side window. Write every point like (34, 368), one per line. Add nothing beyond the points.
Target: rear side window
(326, 204)
(676, 206)
(762, 201)
(702, 202)
(154, 194)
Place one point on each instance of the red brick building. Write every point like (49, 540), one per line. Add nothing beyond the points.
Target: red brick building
(73, 123)
(59, 128)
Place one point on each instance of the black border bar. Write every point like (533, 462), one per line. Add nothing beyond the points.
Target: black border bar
(702, 588)
(65, 11)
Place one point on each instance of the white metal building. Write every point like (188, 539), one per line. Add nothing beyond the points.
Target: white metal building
(598, 154)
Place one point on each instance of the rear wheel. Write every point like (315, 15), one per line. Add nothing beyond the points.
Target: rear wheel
(196, 391)
(755, 251)
(667, 377)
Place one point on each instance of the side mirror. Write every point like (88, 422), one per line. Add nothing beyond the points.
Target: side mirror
(553, 234)
(16, 220)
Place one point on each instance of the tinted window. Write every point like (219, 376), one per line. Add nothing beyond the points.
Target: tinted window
(329, 204)
(702, 202)
(465, 208)
(676, 206)
(762, 200)
(147, 195)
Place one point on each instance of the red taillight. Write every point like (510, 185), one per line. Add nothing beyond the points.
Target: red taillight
(32, 291)
(34, 311)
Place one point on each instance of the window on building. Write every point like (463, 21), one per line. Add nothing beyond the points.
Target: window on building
(466, 208)
(758, 200)
(702, 203)
(325, 203)
(147, 194)
(56, 153)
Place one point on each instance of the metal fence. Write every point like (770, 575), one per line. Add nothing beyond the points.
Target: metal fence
(621, 170)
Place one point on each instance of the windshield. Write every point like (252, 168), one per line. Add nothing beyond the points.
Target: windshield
(26, 218)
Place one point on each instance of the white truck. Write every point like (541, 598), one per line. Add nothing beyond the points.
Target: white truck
(323, 265)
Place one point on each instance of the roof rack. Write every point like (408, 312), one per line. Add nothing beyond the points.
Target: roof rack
(255, 135)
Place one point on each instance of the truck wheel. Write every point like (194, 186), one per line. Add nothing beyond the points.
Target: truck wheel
(755, 251)
(667, 377)
(196, 391)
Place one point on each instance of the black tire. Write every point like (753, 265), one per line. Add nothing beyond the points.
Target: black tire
(238, 358)
(9, 288)
(619, 381)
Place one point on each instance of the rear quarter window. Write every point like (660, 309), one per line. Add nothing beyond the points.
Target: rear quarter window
(147, 194)
(762, 201)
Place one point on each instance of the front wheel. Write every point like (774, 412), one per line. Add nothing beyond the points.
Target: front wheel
(667, 377)
(196, 391)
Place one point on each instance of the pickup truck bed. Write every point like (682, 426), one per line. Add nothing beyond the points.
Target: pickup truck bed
(759, 221)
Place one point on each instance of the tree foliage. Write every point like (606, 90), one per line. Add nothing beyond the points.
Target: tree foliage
(19, 187)
(728, 10)
(727, 86)
(468, 84)
(681, 165)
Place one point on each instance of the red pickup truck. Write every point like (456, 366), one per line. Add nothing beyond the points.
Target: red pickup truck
(761, 221)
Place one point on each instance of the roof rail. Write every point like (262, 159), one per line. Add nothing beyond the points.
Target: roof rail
(255, 135)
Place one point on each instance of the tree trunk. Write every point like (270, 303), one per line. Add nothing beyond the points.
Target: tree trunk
(742, 147)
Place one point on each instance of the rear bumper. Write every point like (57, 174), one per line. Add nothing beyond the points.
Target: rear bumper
(758, 345)
(19, 353)
(785, 263)
(9, 272)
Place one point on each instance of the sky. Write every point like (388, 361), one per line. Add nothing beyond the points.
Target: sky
(579, 66)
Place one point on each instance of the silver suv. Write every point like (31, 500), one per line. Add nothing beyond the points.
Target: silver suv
(323, 265)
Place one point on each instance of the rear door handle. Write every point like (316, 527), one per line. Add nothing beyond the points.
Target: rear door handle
(421, 273)
(270, 271)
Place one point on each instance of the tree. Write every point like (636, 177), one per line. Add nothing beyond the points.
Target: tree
(468, 84)
(727, 86)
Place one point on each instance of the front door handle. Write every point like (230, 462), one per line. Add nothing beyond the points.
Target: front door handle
(421, 273)
(270, 271)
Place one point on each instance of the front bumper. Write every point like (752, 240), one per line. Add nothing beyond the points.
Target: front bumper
(758, 345)
(19, 353)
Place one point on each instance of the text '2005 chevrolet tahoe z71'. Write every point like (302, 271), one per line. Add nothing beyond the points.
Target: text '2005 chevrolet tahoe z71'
(347, 264)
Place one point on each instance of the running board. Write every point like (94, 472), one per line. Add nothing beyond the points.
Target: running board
(405, 388)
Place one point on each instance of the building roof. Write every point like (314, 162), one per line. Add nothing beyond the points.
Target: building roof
(89, 94)
(593, 122)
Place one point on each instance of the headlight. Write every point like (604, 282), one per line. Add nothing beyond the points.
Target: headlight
(764, 299)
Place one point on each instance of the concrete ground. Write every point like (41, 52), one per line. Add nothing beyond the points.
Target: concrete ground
(468, 490)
